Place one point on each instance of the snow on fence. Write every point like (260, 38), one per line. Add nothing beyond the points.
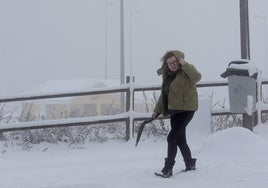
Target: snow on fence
(129, 116)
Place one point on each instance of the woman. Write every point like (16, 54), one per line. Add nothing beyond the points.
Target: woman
(179, 99)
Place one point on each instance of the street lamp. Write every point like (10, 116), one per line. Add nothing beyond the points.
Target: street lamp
(122, 63)
(105, 55)
(130, 40)
(264, 18)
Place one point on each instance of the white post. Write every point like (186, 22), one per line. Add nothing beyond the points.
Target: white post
(122, 63)
(259, 96)
(105, 38)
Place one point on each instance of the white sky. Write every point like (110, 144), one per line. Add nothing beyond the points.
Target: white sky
(64, 39)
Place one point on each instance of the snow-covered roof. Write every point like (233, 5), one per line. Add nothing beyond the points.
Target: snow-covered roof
(71, 85)
(67, 85)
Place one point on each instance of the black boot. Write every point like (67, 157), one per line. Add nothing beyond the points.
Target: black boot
(190, 164)
(166, 172)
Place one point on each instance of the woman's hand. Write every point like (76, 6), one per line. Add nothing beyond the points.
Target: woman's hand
(155, 115)
(182, 61)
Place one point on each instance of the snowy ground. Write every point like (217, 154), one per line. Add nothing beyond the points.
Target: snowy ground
(233, 158)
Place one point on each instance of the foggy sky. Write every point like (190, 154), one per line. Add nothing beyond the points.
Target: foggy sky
(65, 39)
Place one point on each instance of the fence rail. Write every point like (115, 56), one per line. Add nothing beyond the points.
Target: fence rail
(124, 117)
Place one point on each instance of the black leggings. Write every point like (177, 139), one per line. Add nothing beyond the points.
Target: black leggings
(177, 135)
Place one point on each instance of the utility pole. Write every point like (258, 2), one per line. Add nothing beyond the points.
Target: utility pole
(244, 30)
(248, 120)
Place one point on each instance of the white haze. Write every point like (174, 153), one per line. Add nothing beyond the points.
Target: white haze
(64, 39)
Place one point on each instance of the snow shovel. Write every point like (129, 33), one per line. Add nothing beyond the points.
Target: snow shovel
(141, 129)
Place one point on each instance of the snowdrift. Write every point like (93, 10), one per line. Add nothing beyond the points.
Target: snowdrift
(236, 142)
(233, 158)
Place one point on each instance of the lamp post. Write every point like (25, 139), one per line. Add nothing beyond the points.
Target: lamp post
(130, 41)
(105, 38)
(264, 18)
(122, 62)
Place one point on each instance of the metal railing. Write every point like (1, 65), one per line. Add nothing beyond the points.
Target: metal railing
(129, 89)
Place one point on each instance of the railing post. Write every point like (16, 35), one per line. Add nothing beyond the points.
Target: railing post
(127, 129)
(127, 110)
(130, 101)
(128, 95)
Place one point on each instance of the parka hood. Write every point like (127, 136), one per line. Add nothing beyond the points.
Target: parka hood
(164, 67)
(178, 54)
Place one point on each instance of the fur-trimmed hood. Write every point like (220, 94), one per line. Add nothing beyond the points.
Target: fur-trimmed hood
(163, 69)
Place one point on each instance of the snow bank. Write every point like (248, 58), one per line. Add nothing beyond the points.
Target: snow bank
(236, 142)
(261, 130)
(233, 158)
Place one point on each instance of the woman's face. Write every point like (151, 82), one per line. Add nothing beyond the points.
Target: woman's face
(172, 64)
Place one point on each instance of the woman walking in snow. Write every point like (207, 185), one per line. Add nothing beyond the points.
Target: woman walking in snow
(179, 99)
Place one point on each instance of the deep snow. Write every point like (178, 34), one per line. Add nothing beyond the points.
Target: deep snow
(234, 157)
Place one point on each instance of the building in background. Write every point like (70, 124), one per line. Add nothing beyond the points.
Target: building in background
(80, 106)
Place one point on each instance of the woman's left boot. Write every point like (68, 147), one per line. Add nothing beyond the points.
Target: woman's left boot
(166, 172)
(190, 164)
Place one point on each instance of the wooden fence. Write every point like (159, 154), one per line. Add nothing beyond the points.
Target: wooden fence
(129, 89)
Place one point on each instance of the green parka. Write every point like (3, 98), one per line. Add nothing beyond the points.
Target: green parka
(182, 95)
